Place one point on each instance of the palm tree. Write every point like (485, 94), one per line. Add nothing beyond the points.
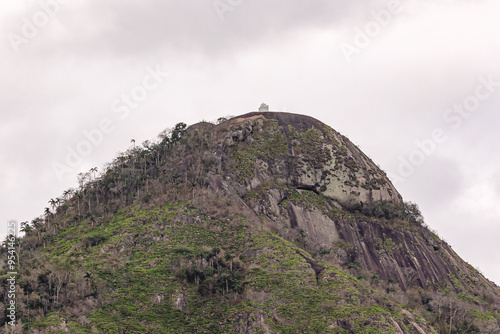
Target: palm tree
(146, 176)
(78, 196)
(67, 194)
(26, 227)
(225, 278)
(47, 215)
(88, 195)
(36, 223)
(82, 178)
(53, 203)
(55, 226)
(98, 189)
(93, 171)
(230, 257)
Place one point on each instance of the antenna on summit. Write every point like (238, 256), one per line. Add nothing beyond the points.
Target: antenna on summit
(263, 107)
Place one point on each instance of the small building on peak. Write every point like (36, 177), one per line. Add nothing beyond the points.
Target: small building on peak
(263, 107)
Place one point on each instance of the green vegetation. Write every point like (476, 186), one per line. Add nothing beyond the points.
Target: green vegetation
(94, 238)
(311, 145)
(387, 245)
(268, 145)
(408, 211)
(187, 281)
(175, 236)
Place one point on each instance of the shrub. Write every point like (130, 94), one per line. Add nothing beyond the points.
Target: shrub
(181, 249)
(407, 211)
(412, 213)
(94, 238)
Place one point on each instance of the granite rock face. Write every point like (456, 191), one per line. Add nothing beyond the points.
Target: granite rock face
(301, 175)
(301, 151)
(407, 254)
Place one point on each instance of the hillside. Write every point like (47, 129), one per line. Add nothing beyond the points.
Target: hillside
(263, 223)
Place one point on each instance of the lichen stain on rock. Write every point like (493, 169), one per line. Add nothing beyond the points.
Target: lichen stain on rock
(326, 162)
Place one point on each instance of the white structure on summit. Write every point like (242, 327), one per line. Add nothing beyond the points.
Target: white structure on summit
(263, 107)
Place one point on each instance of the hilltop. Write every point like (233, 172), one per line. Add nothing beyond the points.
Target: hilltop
(263, 223)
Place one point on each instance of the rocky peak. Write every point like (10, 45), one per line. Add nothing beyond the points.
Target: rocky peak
(253, 225)
(305, 153)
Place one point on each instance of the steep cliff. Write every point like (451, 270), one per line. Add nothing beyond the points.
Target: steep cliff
(304, 153)
(282, 155)
(264, 223)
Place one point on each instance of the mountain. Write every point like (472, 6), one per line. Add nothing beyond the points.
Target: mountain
(263, 223)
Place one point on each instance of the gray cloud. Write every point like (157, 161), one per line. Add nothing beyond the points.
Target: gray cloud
(131, 28)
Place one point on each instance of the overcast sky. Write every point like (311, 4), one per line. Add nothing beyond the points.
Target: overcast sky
(415, 84)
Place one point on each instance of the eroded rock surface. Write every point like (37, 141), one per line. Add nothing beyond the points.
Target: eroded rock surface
(301, 151)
